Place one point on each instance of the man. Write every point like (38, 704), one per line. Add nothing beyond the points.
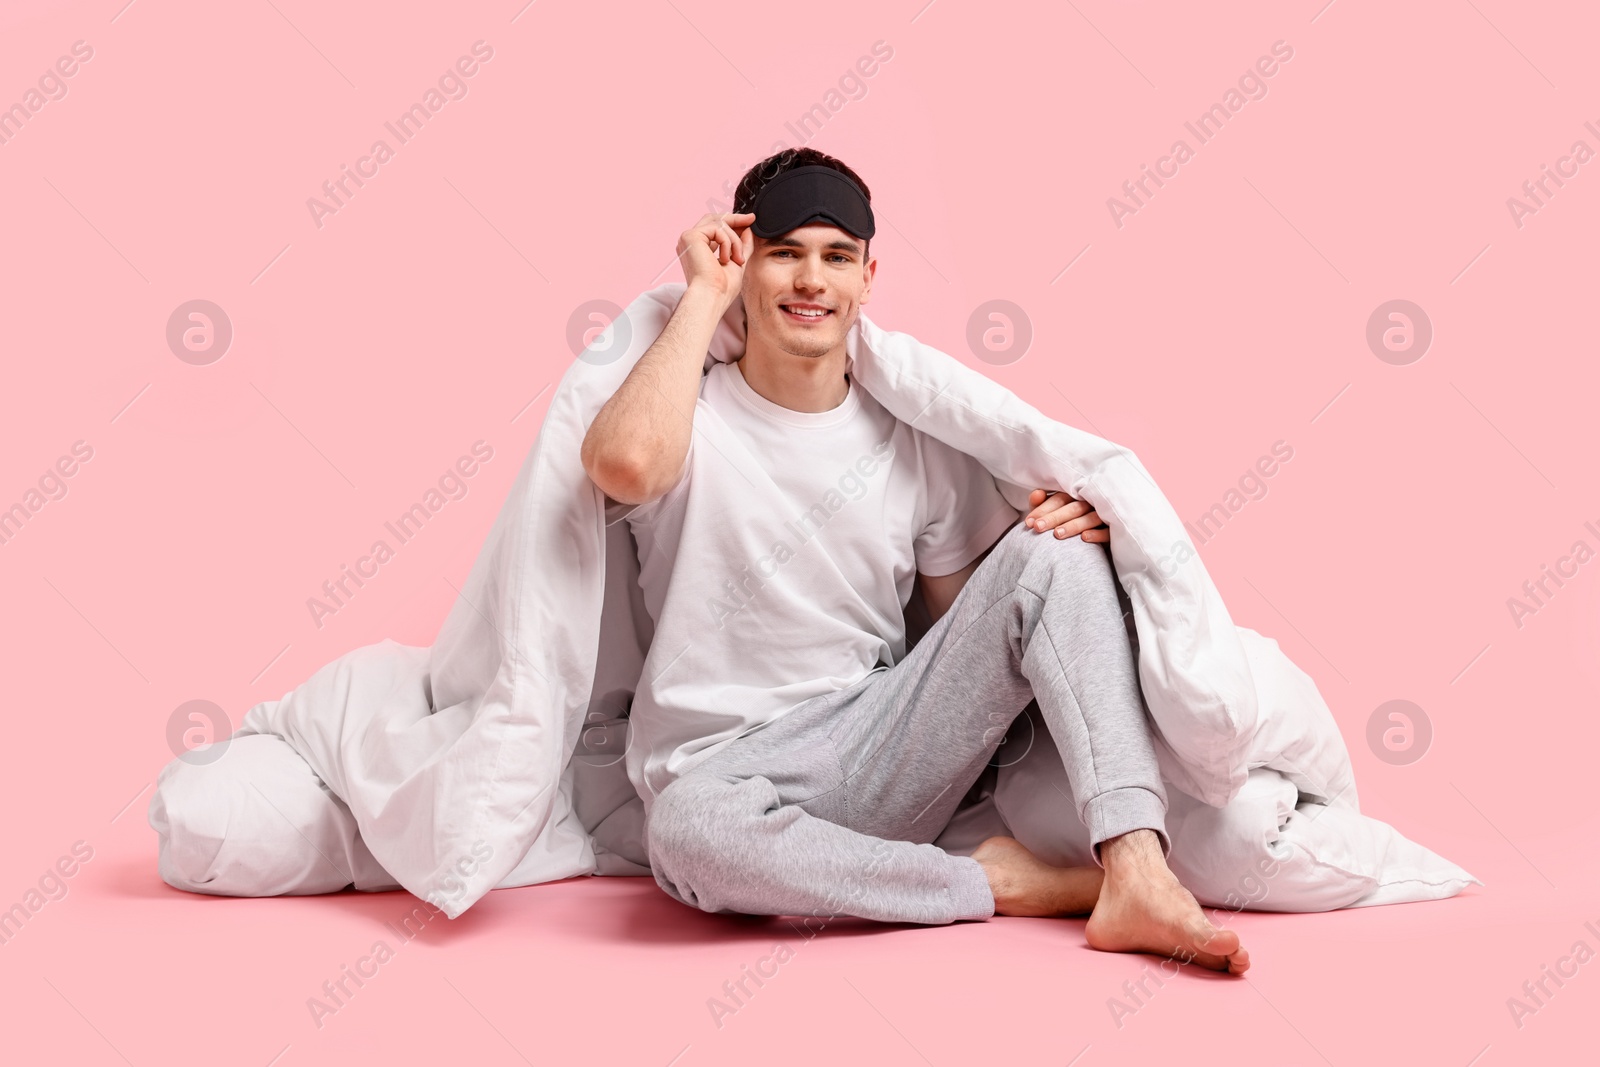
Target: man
(792, 757)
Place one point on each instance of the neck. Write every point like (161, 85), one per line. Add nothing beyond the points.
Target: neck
(799, 383)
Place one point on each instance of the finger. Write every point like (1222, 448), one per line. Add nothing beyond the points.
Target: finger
(704, 235)
(1073, 527)
(735, 244)
(1100, 535)
(1051, 518)
(1084, 523)
(1049, 504)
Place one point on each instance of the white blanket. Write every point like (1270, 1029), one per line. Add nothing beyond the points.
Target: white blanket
(457, 761)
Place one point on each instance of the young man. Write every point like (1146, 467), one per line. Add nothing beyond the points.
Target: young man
(792, 757)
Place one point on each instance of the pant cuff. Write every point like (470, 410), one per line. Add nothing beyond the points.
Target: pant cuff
(970, 897)
(1121, 811)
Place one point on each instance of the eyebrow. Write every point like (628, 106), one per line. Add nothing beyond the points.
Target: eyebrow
(840, 244)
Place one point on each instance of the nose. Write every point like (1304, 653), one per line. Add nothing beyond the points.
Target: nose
(809, 275)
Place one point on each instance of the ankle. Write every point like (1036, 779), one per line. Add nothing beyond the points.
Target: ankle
(1135, 850)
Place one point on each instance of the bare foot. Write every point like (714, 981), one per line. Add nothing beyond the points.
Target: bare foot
(1144, 908)
(1023, 884)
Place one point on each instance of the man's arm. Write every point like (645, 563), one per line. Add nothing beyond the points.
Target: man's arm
(636, 445)
(939, 592)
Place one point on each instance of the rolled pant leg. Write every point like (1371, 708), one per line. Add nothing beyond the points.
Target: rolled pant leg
(254, 822)
(839, 796)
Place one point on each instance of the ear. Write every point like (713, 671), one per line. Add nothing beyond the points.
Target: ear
(871, 269)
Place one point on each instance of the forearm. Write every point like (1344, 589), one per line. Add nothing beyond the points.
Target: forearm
(939, 592)
(637, 443)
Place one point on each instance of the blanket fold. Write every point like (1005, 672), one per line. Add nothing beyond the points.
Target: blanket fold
(460, 762)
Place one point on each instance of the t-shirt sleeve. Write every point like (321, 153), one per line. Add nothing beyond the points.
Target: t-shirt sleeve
(643, 513)
(964, 511)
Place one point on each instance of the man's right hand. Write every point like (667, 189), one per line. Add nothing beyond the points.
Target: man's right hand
(714, 252)
(635, 448)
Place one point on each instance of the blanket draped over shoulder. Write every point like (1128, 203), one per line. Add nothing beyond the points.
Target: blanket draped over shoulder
(465, 749)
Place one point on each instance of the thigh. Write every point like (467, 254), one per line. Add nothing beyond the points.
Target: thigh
(795, 753)
(893, 754)
(914, 737)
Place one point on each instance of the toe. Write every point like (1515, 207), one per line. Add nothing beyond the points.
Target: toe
(1218, 940)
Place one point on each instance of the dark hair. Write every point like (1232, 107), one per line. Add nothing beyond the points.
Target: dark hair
(756, 178)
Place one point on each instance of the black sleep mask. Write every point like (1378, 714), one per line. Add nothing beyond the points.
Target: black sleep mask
(812, 194)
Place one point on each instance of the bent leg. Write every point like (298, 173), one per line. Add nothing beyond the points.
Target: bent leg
(830, 808)
(256, 821)
(1037, 621)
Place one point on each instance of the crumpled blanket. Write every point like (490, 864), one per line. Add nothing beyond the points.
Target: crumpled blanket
(490, 753)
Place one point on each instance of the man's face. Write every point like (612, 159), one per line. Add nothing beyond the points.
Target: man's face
(810, 268)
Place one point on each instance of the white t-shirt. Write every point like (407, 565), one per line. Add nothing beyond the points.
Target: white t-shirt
(779, 566)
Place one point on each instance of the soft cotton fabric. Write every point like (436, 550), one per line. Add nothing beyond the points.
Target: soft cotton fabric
(832, 809)
(777, 568)
(469, 760)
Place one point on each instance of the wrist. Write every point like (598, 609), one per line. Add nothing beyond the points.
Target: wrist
(707, 296)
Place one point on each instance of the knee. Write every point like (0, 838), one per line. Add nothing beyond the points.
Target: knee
(1028, 551)
(679, 827)
(687, 835)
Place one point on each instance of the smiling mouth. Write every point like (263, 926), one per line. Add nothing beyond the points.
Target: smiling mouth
(805, 313)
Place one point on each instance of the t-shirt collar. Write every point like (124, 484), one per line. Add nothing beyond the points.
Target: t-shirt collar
(765, 408)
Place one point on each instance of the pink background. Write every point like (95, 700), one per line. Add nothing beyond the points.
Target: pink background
(1227, 314)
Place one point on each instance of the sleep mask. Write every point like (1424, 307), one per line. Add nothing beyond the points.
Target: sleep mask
(811, 194)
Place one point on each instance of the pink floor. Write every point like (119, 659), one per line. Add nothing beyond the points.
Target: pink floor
(611, 971)
(1390, 159)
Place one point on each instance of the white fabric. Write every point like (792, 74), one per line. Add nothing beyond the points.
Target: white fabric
(459, 763)
(1270, 848)
(778, 566)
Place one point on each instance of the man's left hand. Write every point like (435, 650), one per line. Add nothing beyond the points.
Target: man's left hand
(1065, 515)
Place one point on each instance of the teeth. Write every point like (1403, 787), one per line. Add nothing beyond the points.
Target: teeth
(808, 313)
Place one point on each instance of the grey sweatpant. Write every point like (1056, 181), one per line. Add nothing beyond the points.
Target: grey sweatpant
(830, 808)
